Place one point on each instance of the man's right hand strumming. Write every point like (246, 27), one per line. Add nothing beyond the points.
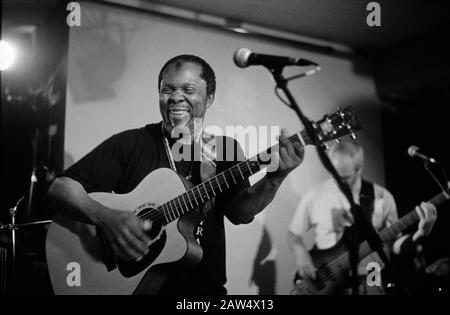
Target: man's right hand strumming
(126, 233)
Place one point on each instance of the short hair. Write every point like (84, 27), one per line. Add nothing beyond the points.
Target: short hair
(207, 72)
(351, 149)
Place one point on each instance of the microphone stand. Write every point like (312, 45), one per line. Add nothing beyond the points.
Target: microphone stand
(445, 188)
(361, 222)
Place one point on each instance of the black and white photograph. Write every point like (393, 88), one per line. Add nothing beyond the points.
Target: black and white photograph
(223, 153)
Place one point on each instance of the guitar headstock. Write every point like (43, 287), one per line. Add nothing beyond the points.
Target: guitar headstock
(337, 125)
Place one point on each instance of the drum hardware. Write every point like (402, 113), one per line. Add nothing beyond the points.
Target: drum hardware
(13, 227)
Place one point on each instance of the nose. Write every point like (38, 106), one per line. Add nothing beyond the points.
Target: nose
(177, 95)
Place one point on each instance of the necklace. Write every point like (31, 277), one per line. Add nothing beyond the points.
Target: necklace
(189, 176)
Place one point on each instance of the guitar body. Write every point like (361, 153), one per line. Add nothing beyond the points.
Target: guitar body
(322, 259)
(76, 257)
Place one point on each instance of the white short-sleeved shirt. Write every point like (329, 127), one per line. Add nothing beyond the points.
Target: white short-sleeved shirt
(326, 211)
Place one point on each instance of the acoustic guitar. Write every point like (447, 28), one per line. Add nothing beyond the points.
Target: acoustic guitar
(81, 262)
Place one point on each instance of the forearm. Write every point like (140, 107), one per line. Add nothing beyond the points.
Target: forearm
(68, 197)
(252, 200)
(296, 245)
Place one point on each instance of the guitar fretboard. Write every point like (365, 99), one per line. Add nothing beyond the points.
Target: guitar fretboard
(390, 233)
(198, 195)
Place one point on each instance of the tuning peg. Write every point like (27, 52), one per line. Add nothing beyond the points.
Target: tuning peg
(338, 141)
(325, 146)
(353, 136)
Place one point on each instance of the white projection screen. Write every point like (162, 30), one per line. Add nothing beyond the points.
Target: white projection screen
(113, 63)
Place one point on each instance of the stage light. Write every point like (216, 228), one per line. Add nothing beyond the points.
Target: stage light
(7, 55)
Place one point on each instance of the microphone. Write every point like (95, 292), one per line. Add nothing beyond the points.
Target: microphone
(244, 58)
(413, 151)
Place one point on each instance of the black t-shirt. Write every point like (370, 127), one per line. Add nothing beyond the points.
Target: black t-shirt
(121, 162)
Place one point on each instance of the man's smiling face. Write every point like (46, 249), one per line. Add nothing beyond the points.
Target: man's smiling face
(182, 95)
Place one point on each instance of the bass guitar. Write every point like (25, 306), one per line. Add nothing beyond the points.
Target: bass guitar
(333, 264)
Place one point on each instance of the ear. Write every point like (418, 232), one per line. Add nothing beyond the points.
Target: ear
(209, 100)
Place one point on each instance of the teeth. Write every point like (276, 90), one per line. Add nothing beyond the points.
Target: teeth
(179, 114)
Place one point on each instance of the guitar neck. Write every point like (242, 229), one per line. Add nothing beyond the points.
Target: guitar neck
(222, 182)
(390, 233)
(330, 127)
(387, 235)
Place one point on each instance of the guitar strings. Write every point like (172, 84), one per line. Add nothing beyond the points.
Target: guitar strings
(215, 183)
(156, 213)
(159, 212)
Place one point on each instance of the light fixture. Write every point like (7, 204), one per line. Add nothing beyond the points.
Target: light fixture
(7, 55)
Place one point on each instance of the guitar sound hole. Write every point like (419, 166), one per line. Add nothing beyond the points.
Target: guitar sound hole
(157, 223)
(155, 230)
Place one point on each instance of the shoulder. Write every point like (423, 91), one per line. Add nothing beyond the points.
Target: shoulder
(127, 141)
(326, 187)
(315, 192)
(382, 192)
(151, 130)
